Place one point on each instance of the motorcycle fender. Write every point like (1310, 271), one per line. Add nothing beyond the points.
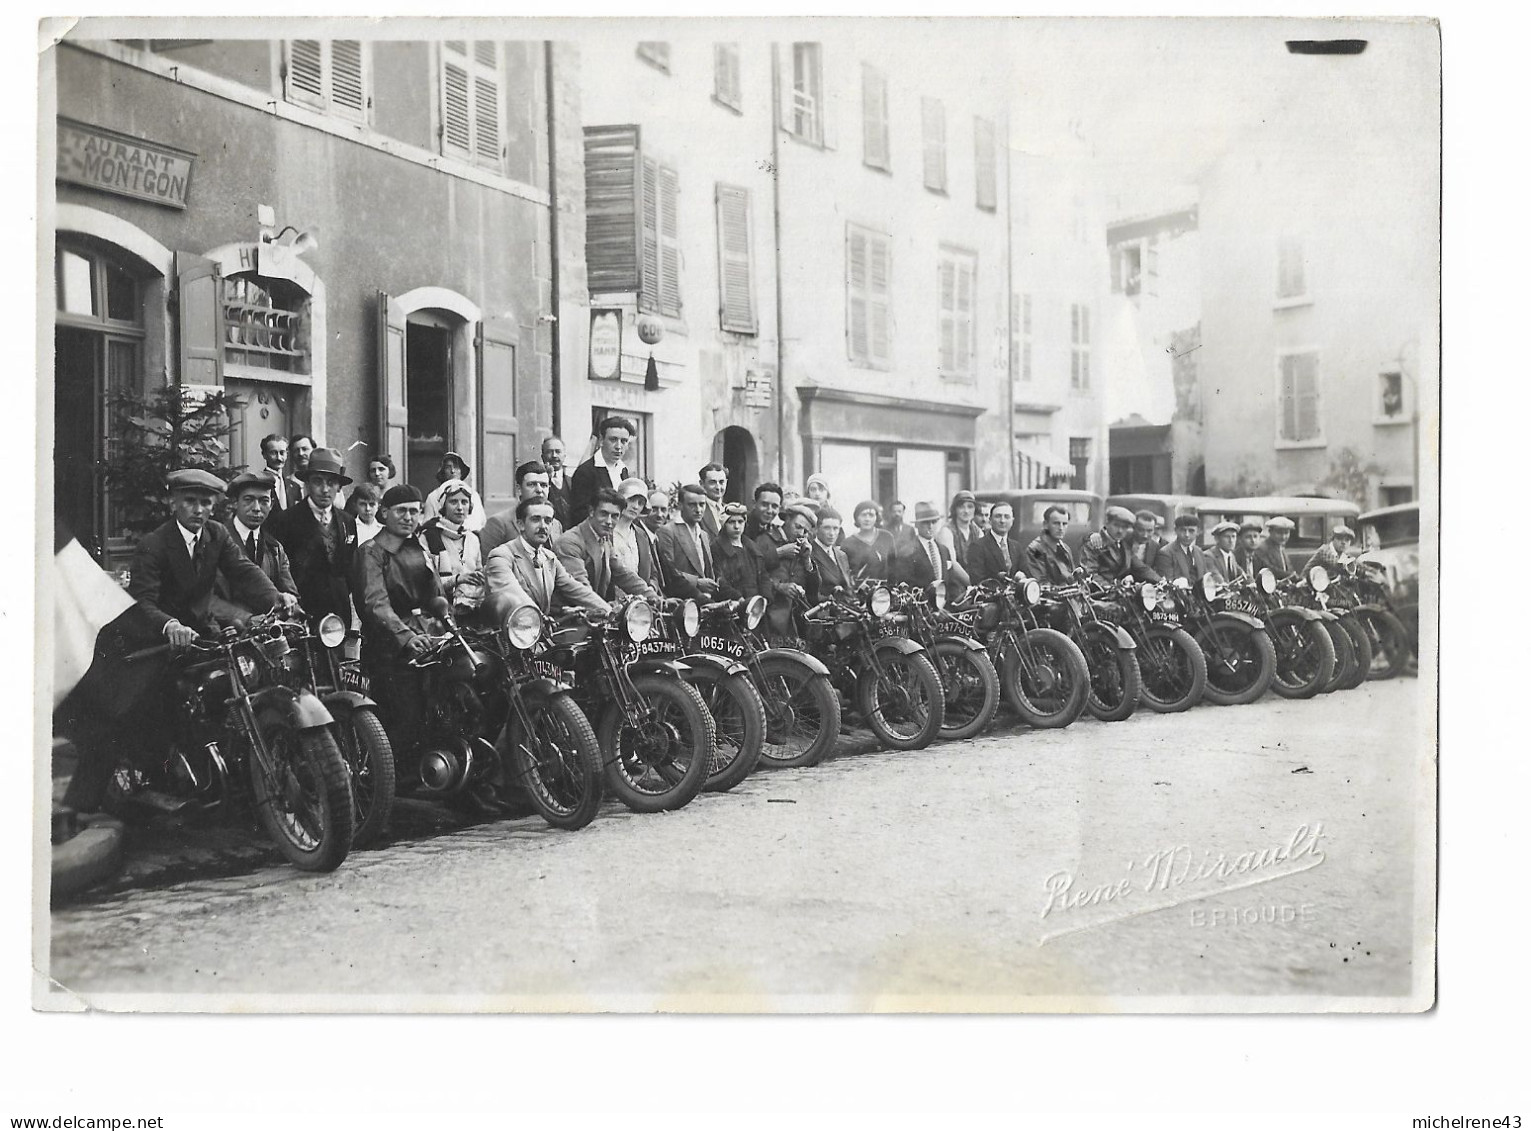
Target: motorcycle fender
(350, 700)
(1124, 640)
(544, 686)
(966, 641)
(302, 708)
(900, 644)
(812, 663)
(652, 666)
(1304, 614)
(1369, 609)
(1241, 618)
(722, 666)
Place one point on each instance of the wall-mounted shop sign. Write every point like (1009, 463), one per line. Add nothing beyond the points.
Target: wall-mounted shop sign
(605, 345)
(757, 386)
(104, 159)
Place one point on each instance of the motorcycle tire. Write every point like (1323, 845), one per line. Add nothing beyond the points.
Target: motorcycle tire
(1116, 682)
(1241, 661)
(969, 686)
(802, 714)
(1174, 670)
(1344, 656)
(1051, 689)
(738, 723)
(663, 763)
(1305, 659)
(1361, 642)
(369, 757)
(909, 715)
(1390, 643)
(307, 766)
(559, 764)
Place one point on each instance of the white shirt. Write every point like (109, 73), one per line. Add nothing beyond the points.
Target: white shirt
(324, 515)
(190, 538)
(616, 474)
(279, 486)
(366, 531)
(244, 532)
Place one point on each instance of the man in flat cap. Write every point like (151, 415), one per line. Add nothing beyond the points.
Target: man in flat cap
(1222, 558)
(1107, 552)
(1248, 542)
(1271, 554)
(320, 538)
(1332, 552)
(251, 496)
(1184, 557)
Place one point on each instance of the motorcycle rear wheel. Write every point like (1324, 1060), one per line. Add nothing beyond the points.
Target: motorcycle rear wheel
(662, 761)
(1344, 656)
(1241, 662)
(1361, 642)
(559, 763)
(1305, 659)
(1174, 670)
(1390, 643)
(905, 709)
(306, 806)
(739, 724)
(970, 687)
(802, 714)
(368, 756)
(1051, 687)
(1116, 682)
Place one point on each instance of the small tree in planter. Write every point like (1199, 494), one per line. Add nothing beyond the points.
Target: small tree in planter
(158, 432)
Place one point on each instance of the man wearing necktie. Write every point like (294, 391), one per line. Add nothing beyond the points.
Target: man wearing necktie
(1183, 557)
(1224, 561)
(1271, 554)
(525, 571)
(250, 494)
(1107, 553)
(922, 560)
(587, 551)
(320, 539)
(685, 549)
(998, 553)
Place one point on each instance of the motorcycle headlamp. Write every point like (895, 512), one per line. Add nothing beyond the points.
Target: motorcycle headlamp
(1030, 590)
(1150, 595)
(1267, 581)
(754, 611)
(638, 621)
(524, 626)
(882, 601)
(690, 617)
(938, 594)
(332, 631)
(1318, 577)
(1208, 586)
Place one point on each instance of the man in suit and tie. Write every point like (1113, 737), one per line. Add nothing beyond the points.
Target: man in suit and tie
(250, 494)
(921, 560)
(1146, 542)
(827, 569)
(285, 490)
(998, 553)
(589, 555)
(1271, 554)
(1048, 557)
(558, 479)
(603, 469)
(1223, 559)
(531, 483)
(714, 480)
(320, 539)
(1244, 549)
(1183, 557)
(526, 571)
(685, 549)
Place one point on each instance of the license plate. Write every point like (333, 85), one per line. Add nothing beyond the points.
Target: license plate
(1241, 605)
(548, 670)
(723, 645)
(1169, 619)
(635, 652)
(352, 679)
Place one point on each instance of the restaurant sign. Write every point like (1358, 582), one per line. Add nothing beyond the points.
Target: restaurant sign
(104, 159)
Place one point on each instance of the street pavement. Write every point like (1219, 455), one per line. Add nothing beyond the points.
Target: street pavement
(1264, 852)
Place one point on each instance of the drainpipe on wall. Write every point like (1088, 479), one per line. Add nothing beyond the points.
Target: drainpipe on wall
(553, 274)
(781, 377)
(1009, 479)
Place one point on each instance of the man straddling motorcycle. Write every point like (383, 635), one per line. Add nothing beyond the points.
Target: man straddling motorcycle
(1271, 554)
(1048, 557)
(1332, 552)
(525, 571)
(1107, 553)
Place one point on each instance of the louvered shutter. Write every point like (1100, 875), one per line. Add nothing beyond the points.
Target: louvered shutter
(669, 241)
(933, 118)
(612, 193)
(965, 338)
(947, 270)
(879, 271)
(648, 287)
(305, 72)
(736, 295)
(874, 117)
(486, 102)
(856, 292)
(456, 110)
(348, 87)
(985, 165)
(199, 291)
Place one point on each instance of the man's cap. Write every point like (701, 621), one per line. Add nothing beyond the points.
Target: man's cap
(925, 512)
(1226, 527)
(1255, 526)
(1280, 522)
(1184, 520)
(630, 487)
(195, 479)
(1147, 516)
(403, 493)
(263, 480)
(1120, 514)
(1342, 530)
(736, 510)
(327, 461)
(804, 508)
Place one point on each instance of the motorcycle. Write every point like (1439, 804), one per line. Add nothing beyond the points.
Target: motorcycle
(242, 734)
(969, 681)
(872, 664)
(1352, 647)
(1173, 667)
(1305, 657)
(1240, 658)
(654, 730)
(1363, 584)
(1110, 653)
(1043, 674)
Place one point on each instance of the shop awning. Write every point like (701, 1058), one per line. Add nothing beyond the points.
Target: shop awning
(1037, 465)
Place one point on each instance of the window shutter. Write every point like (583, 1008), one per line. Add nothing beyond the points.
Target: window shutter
(856, 292)
(393, 412)
(726, 86)
(348, 86)
(948, 308)
(879, 271)
(736, 297)
(874, 117)
(613, 188)
(456, 123)
(1288, 400)
(199, 289)
(829, 133)
(965, 336)
(669, 242)
(305, 72)
(985, 165)
(486, 118)
(497, 342)
(1290, 282)
(648, 286)
(933, 116)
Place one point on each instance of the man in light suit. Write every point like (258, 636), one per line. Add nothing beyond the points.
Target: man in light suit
(1223, 560)
(525, 571)
(531, 483)
(587, 551)
(1183, 557)
(685, 549)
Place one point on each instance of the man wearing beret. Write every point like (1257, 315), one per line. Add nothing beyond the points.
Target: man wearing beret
(320, 539)
(1332, 552)
(1223, 559)
(1107, 553)
(1271, 554)
(1183, 557)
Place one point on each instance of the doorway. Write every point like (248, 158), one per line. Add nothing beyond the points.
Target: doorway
(734, 448)
(428, 393)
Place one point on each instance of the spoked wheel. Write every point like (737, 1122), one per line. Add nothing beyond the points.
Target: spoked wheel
(905, 706)
(369, 757)
(1047, 682)
(1344, 655)
(304, 802)
(1115, 679)
(1390, 642)
(660, 758)
(1174, 670)
(969, 685)
(739, 724)
(1361, 643)
(1241, 661)
(1304, 656)
(558, 763)
(802, 713)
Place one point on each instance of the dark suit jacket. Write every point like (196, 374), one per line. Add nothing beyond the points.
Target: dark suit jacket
(910, 565)
(710, 521)
(322, 578)
(272, 560)
(649, 568)
(682, 567)
(985, 562)
(1112, 561)
(583, 484)
(558, 495)
(829, 570)
(579, 550)
(167, 588)
(1051, 563)
(1215, 564)
(1278, 559)
(1175, 562)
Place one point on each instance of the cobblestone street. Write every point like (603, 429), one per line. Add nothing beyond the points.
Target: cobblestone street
(1025, 865)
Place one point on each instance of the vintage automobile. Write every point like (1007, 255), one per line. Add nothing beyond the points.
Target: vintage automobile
(1315, 517)
(1390, 537)
(1086, 511)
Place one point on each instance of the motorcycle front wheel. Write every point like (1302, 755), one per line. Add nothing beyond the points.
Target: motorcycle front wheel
(558, 763)
(739, 724)
(1344, 656)
(1390, 642)
(802, 713)
(1048, 682)
(659, 759)
(304, 803)
(1241, 661)
(1305, 659)
(1174, 670)
(905, 707)
(1116, 682)
(1361, 643)
(369, 757)
(969, 686)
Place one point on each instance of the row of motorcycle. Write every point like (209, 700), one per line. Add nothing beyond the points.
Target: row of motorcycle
(655, 703)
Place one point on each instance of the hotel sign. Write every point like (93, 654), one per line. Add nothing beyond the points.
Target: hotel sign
(104, 159)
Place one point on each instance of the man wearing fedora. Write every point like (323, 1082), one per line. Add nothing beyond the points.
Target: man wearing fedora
(320, 539)
(921, 559)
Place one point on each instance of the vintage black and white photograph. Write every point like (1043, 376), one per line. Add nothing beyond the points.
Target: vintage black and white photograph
(738, 515)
